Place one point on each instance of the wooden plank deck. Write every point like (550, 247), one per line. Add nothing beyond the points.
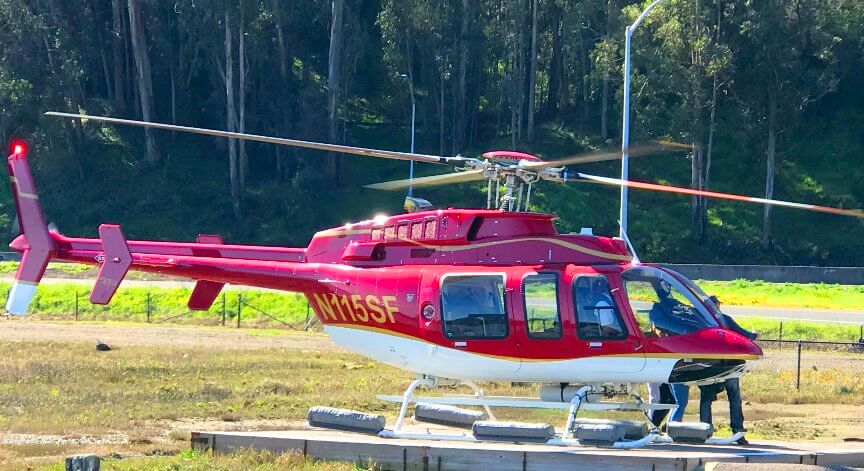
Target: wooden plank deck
(401, 454)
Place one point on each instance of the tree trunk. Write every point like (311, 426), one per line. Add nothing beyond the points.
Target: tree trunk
(459, 123)
(173, 97)
(145, 81)
(697, 219)
(770, 164)
(697, 168)
(583, 61)
(441, 110)
(712, 125)
(604, 107)
(532, 77)
(556, 63)
(244, 161)
(333, 77)
(712, 120)
(231, 118)
(118, 44)
(280, 41)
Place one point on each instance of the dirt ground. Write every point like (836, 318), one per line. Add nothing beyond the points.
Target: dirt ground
(820, 422)
(15, 329)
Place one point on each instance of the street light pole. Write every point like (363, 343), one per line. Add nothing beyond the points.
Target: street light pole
(413, 121)
(625, 124)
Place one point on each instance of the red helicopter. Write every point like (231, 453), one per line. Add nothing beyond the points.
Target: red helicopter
(451, 295)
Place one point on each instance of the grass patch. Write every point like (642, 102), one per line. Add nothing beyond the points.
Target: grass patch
(801, 330)
(764, 294)
(71, 389)
(58, 301)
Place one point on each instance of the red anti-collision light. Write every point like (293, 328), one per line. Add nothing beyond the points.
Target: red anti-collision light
(19, 148)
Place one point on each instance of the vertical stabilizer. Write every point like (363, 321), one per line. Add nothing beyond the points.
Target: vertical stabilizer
(35, 243)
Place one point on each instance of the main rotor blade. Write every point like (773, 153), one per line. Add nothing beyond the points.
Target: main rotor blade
(652, 147)
(713, 194)
(385, 154)
(434, 180)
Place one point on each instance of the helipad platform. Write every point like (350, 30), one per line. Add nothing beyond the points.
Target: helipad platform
(400, 454)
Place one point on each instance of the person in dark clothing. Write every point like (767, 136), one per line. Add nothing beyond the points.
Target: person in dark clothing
(733, 393)
(732, 386)
(666, 397)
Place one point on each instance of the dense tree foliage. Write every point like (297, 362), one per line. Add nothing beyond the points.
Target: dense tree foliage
(765, 90)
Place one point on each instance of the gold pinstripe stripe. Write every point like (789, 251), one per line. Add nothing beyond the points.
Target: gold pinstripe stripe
(562, 243)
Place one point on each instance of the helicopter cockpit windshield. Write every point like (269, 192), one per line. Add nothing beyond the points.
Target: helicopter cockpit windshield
(662, 304)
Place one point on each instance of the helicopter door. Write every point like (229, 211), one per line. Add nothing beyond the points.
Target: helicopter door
(476, 318)
(606, 342)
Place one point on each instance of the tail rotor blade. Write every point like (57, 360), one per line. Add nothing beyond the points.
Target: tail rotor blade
(713, 194)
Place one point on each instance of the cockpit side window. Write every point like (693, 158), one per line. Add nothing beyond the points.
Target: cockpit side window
(597, 315)
(662, 305)
(472, 307)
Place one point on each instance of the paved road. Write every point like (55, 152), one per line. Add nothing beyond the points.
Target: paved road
(799, 314)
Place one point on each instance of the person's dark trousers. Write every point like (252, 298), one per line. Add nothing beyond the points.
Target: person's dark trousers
(707, 396)
(666, 397)
(736, 413)
(733, 392)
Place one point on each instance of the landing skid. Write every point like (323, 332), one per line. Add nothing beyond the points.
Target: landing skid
(585, 399)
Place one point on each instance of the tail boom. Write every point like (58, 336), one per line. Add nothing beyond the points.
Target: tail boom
(265, 267)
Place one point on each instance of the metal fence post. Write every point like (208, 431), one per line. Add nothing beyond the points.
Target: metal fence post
(224, 307)
(781, 334)
(148, 306)
(306, 324)
(798, 375)
(239, 307)
(76, 304)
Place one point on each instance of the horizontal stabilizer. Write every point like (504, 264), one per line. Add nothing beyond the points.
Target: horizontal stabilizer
(117, 260)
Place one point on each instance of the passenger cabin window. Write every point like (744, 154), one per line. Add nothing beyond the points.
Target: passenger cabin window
(472, 307)
(542, 316)
(597, 315)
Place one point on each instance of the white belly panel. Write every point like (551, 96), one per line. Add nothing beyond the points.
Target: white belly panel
(423, 357)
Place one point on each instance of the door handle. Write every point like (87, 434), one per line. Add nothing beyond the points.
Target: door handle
(638, 347)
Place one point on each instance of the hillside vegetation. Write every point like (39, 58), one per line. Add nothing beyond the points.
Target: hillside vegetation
(766, 93)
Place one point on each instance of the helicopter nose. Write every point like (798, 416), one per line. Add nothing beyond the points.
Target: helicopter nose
(727, 355)
(741, 345)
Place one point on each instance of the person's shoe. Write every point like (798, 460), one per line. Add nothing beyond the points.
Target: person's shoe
(742, 441)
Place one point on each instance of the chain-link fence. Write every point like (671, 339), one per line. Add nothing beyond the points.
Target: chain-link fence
(803, 364)
(156, 305)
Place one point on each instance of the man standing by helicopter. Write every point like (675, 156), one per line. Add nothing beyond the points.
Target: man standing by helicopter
(708, 393)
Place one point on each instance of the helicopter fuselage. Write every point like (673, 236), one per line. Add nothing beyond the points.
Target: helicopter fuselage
(463, 294)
